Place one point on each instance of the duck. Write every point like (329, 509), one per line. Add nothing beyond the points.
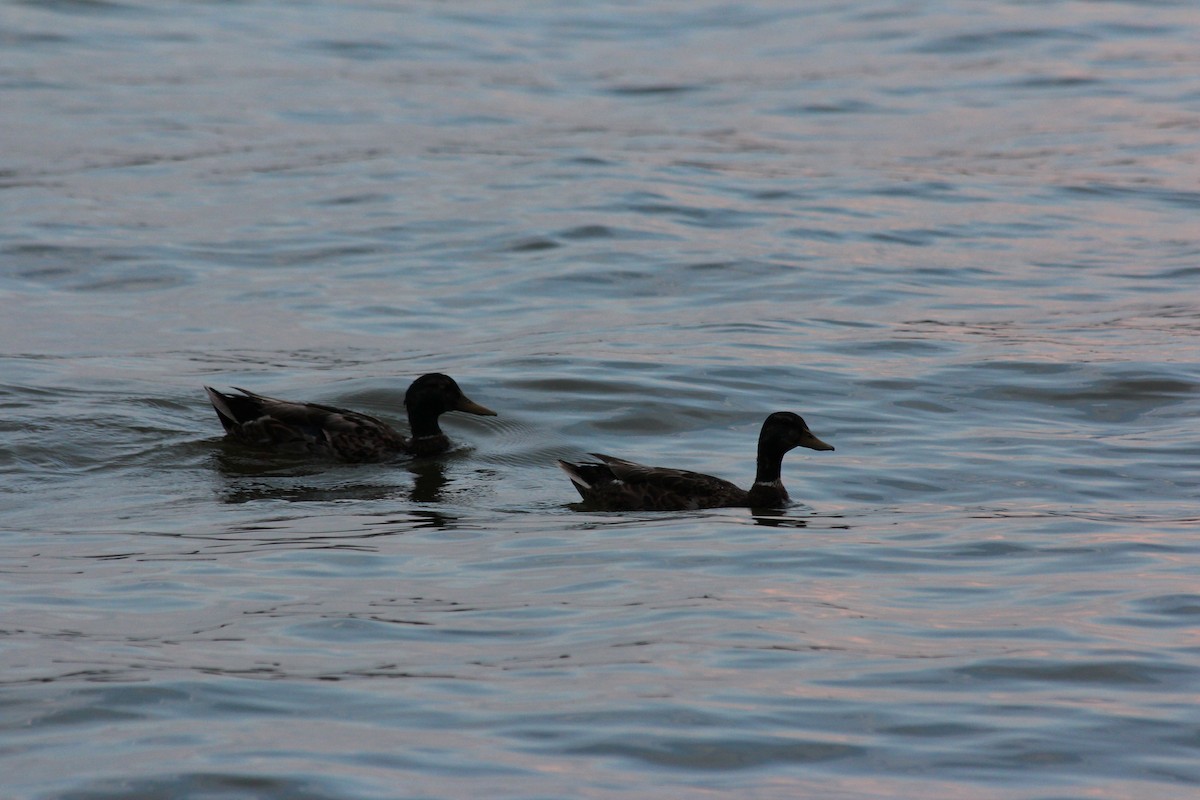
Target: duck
(615, 484)
(285, 426)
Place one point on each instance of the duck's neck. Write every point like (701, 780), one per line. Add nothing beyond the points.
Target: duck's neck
(770, 463)
(423, 422)
(768, 490)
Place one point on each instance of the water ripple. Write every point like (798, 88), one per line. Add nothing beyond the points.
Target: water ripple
(958, 241)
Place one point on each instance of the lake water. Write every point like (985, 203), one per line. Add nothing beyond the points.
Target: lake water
(960, 238)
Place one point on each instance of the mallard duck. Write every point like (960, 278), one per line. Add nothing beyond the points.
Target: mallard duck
(615, 484)
(311, 428)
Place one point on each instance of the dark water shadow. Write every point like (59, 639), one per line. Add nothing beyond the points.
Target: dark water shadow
(773, 518)
(247, 476)
(192, 784)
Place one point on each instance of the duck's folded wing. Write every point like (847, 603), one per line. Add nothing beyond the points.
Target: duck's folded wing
(682, 484)
(315, 417)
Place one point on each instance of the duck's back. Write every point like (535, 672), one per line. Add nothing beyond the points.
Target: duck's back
(304, 428)
(615, 484)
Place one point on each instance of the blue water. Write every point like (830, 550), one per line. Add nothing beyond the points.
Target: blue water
(959, 238)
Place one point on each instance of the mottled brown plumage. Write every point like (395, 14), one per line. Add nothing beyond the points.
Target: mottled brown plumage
(313, 429)
(614, 484)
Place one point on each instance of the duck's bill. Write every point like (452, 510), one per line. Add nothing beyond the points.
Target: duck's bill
(813, 443)
(471, 407)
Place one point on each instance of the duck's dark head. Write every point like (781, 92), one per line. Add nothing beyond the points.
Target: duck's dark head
(784, 430)
(432, 395)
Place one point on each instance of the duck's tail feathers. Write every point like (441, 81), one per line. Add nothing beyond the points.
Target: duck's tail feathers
(590, 479)
(220, 404)
(235, 410)
(574, 473)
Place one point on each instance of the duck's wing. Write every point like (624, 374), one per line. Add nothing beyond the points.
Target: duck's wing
(289, 426)
(620, 485)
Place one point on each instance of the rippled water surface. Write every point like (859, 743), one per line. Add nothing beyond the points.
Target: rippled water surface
(959, 238)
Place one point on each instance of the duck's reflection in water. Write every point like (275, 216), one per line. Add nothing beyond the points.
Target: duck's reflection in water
(248, 476)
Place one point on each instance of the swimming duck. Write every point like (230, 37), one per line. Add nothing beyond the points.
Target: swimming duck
(311, 428)
(615, 484)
